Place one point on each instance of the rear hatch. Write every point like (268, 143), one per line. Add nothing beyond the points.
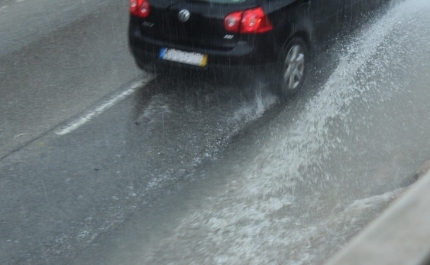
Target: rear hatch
(203, 28)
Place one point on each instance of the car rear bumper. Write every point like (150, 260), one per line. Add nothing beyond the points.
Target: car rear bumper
(146, 50)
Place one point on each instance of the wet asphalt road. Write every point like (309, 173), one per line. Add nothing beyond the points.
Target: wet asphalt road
(191, 169)
(60, 71)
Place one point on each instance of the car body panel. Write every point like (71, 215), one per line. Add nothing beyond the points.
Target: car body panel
(327, 18)
(315, 21)
(203, 29)
(204, 32)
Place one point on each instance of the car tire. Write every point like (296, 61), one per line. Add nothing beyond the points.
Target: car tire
(292, 67)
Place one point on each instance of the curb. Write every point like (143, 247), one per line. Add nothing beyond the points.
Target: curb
(401, 235)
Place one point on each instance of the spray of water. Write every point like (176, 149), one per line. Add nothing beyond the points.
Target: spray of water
(249, 221)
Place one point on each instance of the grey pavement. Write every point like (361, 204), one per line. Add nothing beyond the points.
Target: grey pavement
(401, 235)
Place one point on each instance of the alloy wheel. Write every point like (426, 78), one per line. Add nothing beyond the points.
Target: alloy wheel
(294, 67)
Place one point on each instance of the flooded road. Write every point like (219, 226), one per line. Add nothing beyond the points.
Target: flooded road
(190, 169)
(296, 188)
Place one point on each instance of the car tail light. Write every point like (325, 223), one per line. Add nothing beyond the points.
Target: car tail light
(139, 8)
(232, 21)
(248, 21)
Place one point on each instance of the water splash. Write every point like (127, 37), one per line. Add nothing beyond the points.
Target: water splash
(250, 220)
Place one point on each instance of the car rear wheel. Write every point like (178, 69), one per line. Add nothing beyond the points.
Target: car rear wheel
(293, 67)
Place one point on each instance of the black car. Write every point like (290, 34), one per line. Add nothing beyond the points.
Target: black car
(204, 34)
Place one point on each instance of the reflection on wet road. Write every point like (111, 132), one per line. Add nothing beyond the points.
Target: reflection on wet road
(192, 170)
(297, 189)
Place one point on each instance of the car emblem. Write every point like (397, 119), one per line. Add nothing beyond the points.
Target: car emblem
(184, 15)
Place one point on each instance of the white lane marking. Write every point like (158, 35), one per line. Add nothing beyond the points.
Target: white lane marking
(100, 109)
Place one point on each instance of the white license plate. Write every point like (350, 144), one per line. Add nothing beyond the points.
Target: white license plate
(192, 58)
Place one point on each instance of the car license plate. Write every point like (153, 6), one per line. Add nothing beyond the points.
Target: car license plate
(192, 58)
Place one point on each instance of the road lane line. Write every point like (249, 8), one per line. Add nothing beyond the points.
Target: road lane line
(133, 87)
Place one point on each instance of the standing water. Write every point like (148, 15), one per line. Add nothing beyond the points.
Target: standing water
(296, 191)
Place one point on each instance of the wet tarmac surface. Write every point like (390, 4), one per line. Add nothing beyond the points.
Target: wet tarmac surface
(190, 169)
